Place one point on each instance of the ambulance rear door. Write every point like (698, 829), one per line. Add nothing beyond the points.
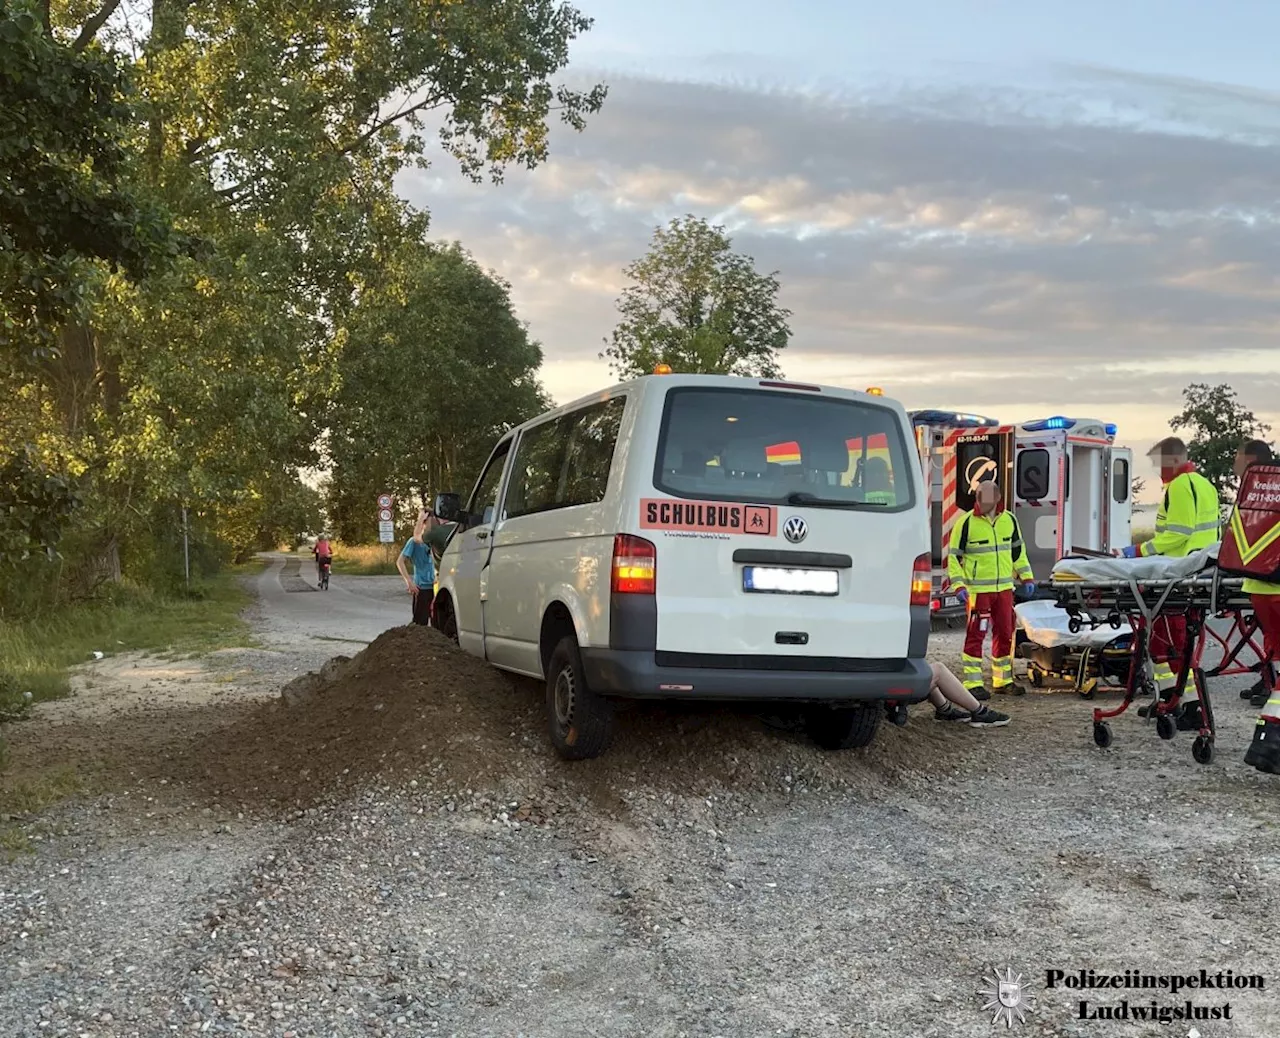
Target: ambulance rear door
(1119, 498)
(1041, 490)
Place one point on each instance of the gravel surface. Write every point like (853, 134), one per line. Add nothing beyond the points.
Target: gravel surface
(392, 849)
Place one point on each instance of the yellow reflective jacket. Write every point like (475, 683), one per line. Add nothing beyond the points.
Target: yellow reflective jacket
(987, 555)
(1187, 519)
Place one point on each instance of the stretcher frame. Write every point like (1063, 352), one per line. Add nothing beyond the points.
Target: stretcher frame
(1198, 599)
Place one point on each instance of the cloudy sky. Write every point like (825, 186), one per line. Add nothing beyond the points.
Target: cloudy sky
(1018, 209)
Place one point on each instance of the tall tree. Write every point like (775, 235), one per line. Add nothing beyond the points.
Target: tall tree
(698, 306)
(273, 134)
(435, 368)
(68, 188)
(1217, 423)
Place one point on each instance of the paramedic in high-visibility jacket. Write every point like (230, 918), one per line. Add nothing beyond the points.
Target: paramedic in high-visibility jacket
(986, 558)
(1186, 521)
(1264, 750)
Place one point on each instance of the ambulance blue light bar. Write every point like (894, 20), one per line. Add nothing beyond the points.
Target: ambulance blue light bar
(1057, 422)
(956, 419)
(1111, 428)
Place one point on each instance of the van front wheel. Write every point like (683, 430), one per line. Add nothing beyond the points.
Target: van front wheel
(580, 722)
(844, 728)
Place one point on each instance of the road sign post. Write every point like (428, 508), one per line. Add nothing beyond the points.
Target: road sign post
(386, 520)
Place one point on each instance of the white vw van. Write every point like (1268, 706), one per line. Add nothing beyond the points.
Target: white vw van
(700, 537)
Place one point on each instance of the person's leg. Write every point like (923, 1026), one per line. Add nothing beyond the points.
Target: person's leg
(1002, 643)
(1264, 750)
(948, 689)
(422, 606)
(975, 635)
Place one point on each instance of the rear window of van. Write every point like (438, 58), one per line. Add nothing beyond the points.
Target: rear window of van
(774, 447)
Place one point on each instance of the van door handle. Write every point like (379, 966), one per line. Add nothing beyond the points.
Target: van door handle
(482, 535)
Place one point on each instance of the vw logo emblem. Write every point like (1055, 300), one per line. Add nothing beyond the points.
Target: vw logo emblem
(795, 529)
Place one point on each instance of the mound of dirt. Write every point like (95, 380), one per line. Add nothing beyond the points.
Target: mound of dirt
(413, 709)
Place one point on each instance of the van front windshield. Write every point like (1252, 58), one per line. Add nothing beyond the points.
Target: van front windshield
(774, 447)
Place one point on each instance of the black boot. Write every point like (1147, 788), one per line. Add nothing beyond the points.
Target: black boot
(1264, 752)
(1190, 717)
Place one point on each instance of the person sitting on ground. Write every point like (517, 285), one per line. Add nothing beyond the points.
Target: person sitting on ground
(953, 702)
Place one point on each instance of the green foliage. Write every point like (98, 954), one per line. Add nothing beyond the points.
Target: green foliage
(161, 375)
(1217, 424)
(35, 504)
(68, 193)
(699, 307)
(436, 367)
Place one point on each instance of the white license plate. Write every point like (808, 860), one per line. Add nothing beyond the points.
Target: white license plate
(776, 581)
(950, 602)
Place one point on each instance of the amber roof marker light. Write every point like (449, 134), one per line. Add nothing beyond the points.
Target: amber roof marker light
(662, 369)
(874, 391)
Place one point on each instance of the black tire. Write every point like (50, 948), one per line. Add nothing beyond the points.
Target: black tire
(1202, 750)
(446, 621)
(843, 728)
(1165, 727)
(579, 722)
(1102, 734)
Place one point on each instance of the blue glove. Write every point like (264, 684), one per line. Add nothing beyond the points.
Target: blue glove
(1131, 552)
(962, 595)
(1029, 588)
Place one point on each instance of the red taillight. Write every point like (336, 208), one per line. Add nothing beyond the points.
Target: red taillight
(635, 566)
(792, 385)
(922, 581)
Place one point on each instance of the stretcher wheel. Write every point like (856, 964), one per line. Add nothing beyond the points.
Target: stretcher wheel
(1202, 749)
(1073, 625)
(1102, 734)
(1037, 679)
(1114, 620)
(1165, 728)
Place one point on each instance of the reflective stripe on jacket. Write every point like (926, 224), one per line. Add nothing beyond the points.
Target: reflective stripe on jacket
(1187, 519)
(987, 555)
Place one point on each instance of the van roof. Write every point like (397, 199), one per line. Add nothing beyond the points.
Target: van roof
(727, 381)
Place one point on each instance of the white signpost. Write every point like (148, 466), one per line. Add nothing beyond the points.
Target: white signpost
(386, 525)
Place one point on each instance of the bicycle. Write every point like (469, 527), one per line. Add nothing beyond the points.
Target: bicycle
(324, 562)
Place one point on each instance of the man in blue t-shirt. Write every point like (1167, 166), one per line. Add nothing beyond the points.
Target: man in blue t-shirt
(422, 584)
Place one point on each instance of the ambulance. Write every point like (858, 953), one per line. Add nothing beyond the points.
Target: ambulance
(1072, 489)
(958, 451)
(1067, 483)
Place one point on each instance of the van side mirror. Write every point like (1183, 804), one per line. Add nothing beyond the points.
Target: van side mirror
(448, 507)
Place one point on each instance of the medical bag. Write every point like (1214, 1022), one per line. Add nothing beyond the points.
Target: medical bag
(1251, 547)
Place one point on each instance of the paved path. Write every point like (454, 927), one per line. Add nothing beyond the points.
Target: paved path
(292, 613)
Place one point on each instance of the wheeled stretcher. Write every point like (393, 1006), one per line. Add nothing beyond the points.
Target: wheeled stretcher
(1142, 593)
(1088, 657)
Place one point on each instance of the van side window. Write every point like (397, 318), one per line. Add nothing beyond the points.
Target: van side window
(485, 496)
(1120, 483)
(1033, 474)
(565, 462)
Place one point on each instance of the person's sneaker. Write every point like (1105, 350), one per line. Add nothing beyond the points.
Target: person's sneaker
(1011, 690)
(979, 693)
(985, 717)
(950, 712)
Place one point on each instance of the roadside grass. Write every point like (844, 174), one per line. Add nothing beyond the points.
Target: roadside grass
(365, 560)
(35, 654)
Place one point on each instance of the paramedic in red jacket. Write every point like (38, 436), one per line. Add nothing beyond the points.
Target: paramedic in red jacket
(1264, 751)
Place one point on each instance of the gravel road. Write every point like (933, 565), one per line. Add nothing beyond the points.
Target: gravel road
(399, 854)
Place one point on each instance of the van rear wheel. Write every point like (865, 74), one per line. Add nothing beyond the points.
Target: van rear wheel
(581, 723)
(844, 728)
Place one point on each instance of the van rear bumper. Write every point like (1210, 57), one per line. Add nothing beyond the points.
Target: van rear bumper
(637, 675)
